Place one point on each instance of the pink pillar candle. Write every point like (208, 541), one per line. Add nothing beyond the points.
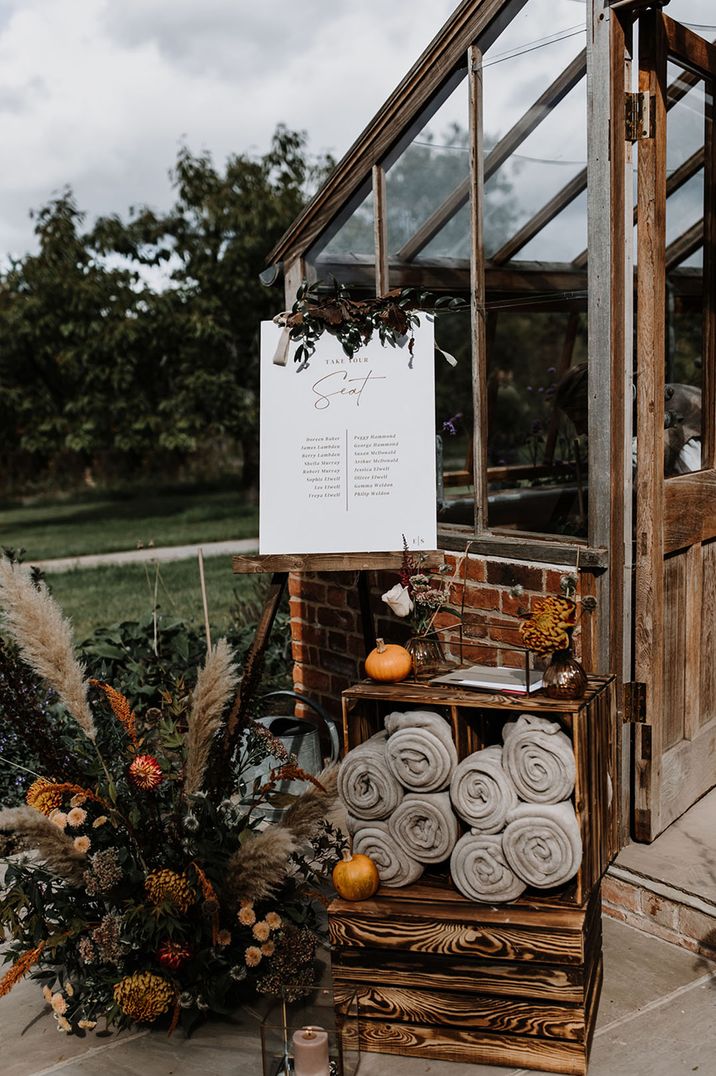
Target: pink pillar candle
(310, 1052)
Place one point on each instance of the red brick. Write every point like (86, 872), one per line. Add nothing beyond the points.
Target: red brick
(337, 641)
(301, 610)
(336, 618)
(474, 626)
(621, 895)
(660, 910)
(505, 634)
(553, 579)
(342, 664)
(309, 633)
(477, 597)
(294, 584)
(337, 597)
(508, 574)
(513, 659)
(514, 606)
(475, 570)
(474, 654)
(315, 592)
(697, 926)
(312, 679)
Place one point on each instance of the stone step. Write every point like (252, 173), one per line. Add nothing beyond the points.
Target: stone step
(661, 909)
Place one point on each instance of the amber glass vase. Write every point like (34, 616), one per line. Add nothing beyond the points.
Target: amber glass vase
(427, 655)
(564, 677)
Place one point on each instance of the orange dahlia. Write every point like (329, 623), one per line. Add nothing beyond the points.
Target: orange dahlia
(143, 996)
(145, 773)
(167, 886)
(45, 796)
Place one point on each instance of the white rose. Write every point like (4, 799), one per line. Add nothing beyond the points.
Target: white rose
(398, 599)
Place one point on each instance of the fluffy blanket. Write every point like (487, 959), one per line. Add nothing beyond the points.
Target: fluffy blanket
(542, 843)
(539, 758)
(395, 866)
(482, 792)
(425, 826)
(365, 784)
(481, 872)
(420, 752)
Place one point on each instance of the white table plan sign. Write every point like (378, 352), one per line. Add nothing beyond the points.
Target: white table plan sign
(347, 460)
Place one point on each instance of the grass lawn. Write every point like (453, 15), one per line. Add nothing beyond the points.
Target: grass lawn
(94, 597)
(104, 523)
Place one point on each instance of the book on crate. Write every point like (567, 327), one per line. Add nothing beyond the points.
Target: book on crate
(498, 679)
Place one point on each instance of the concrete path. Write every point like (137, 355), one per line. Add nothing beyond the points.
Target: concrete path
(142, 556)
(656, 1018)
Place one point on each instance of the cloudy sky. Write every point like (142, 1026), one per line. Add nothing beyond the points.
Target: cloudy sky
(98, 94)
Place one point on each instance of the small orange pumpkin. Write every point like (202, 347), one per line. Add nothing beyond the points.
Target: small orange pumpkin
(355, 877)
(388, 663)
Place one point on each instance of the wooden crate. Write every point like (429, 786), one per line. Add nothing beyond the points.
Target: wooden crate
(476, 719)
(439, 977)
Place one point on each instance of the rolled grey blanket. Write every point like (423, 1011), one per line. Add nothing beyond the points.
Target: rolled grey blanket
(420, 752)
(482, 791)
(365, 784)
(542, 843)
(395, 866)
(425, 826)
(481, 872)
(539, 758)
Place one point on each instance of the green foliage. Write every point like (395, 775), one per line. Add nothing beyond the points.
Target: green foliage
(103, 370)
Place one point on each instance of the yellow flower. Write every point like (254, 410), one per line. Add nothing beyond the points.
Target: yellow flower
(223, 937)
(47, 994)
(274, 920)
(78, 800)
(58, 1003)
(166, 885)
(143, 996)
(268, 948)
(252, 956)
(62, 1024)
(87, 1024)
(101, 821)
(76, 817)
(69, 990)
(58, 818)
(261, 931)
(81, 844)
(247, 916)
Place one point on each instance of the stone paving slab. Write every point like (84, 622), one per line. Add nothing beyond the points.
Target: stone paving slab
(656, 1018)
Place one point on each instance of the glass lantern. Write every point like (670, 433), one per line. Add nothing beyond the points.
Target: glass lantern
(314, 1036)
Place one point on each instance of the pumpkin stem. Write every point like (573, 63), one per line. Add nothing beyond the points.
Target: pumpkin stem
(381, 646)
(347, 854)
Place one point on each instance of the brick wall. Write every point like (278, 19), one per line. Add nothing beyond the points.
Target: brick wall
(327, 636)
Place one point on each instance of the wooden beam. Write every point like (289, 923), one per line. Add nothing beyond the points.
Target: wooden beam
(473, 20)
(547, 213)
(651, 304)
(689, 49)
(708, 386)
(497, 156)
(683, 247)
(323, 562)
(535, 548)
(380, 231)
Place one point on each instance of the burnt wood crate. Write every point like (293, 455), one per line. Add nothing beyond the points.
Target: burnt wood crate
(476, 719)
(439, 977)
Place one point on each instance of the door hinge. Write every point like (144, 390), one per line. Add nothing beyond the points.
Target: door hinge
(634, 703)
(638, 116)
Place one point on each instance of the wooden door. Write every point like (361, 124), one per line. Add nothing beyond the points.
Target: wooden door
(675, 539)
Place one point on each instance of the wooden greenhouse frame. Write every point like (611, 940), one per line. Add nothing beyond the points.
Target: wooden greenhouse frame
(648, 556)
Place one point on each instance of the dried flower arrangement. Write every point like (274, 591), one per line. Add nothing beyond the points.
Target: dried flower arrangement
(149, 891)
(354, 321)
(415, 598)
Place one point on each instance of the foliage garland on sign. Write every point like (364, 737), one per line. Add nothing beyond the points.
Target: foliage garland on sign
(394, 316)
(147, 894)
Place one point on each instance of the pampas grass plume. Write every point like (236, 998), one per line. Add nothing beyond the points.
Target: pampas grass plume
(314, 806)
(52, 845)
(44, 636)
(215, 685)
(259, 867)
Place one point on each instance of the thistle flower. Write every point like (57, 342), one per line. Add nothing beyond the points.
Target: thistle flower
(145, 773)
(34, 620)
(143, 996)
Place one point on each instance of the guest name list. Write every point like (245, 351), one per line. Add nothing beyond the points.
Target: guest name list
(348, 448)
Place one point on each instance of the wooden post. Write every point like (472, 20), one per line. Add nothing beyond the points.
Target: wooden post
(477, 287)
(380, 231)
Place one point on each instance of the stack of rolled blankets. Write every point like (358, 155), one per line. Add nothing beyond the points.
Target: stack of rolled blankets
(403, 788)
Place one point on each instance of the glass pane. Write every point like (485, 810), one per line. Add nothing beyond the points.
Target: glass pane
(684, 282)
(537, 450)
(697, 14)
(454, 418)
(427, 173)
(349, 253)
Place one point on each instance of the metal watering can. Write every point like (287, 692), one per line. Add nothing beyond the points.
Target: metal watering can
(301, 736)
